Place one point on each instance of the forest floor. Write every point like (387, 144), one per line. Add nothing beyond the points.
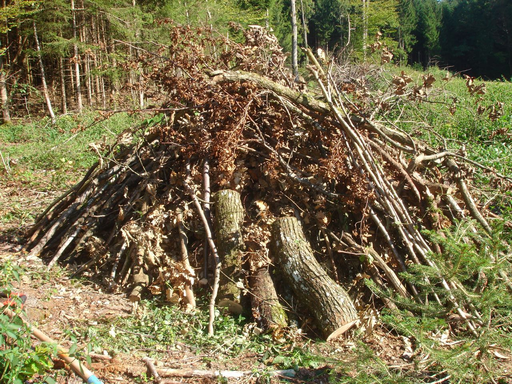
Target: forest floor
(56, 304)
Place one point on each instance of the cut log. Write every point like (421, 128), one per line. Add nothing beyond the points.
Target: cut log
(229, 217)
(327, 301)
(196, 373)
(266, 308)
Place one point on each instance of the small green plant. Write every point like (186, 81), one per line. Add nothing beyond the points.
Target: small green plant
(479, 264)
(18, 360)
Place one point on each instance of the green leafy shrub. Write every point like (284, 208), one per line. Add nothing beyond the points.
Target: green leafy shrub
(18, 360)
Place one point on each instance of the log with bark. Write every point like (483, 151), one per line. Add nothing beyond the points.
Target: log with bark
(267, 310)
(229, 218)
(327, 301)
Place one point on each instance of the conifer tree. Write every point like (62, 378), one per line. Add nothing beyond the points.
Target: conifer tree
(477, 36)
(11, 14)
(407, 25)
(428, 28)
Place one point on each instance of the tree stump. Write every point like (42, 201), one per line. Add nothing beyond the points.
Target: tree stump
(328, 302)
(228, 220)
(266, 308)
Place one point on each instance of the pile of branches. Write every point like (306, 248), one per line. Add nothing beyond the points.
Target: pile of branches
(295, 173)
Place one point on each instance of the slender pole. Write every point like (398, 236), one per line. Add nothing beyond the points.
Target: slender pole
(43, 76)
(76, 60)
(295, 65)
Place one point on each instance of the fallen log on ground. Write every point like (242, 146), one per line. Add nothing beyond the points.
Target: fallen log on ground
(327, 301)
(170, 372)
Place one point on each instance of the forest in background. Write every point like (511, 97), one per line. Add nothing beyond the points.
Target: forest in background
(58, 55)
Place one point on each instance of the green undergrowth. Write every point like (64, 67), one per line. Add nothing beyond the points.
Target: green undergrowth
(20, 360)
(58, 152)
(445, 346)
(155, 330)
(471, 118)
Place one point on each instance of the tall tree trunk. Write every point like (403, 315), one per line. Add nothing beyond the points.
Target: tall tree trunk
(103, 45)
(86, 60)
(46, 93)
(76, 60)
(327, 301)
(4, 95)
(139, 77)
(229, 217)
(103, 93)
(366, 7)
(71, 76)
(304, 27)
(88, 77)
(63, 94)
(295, 65)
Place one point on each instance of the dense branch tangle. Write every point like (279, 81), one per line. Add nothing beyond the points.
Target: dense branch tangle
(286, 152)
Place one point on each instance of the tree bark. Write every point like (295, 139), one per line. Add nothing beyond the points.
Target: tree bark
(266, 309)
(207, 213)
(328, 302)
(140, 277)
(76, 60)
(295, 65)
(304, 26)
(43, 76)
(4, 95)
(88, 82)
(187, 372)
(63, 101)
(189, 292)
(229, 217)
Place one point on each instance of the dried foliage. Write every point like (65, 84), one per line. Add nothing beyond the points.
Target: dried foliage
(363, 191)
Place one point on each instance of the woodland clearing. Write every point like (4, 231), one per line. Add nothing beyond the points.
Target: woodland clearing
(322, 196)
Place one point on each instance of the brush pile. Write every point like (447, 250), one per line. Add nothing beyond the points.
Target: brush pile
(311, 197)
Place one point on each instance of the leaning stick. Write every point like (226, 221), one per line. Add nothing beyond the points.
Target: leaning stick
(190, 298)
(213, 247)
(75, 365)
(68, 241)
(470, 204)
(206, 205)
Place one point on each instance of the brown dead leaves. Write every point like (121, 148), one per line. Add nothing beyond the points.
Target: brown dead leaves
(474, 89)
(417, 92)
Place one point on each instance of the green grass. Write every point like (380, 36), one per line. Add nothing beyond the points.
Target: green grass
(451, 118)
(156, 329)
(29, 147)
